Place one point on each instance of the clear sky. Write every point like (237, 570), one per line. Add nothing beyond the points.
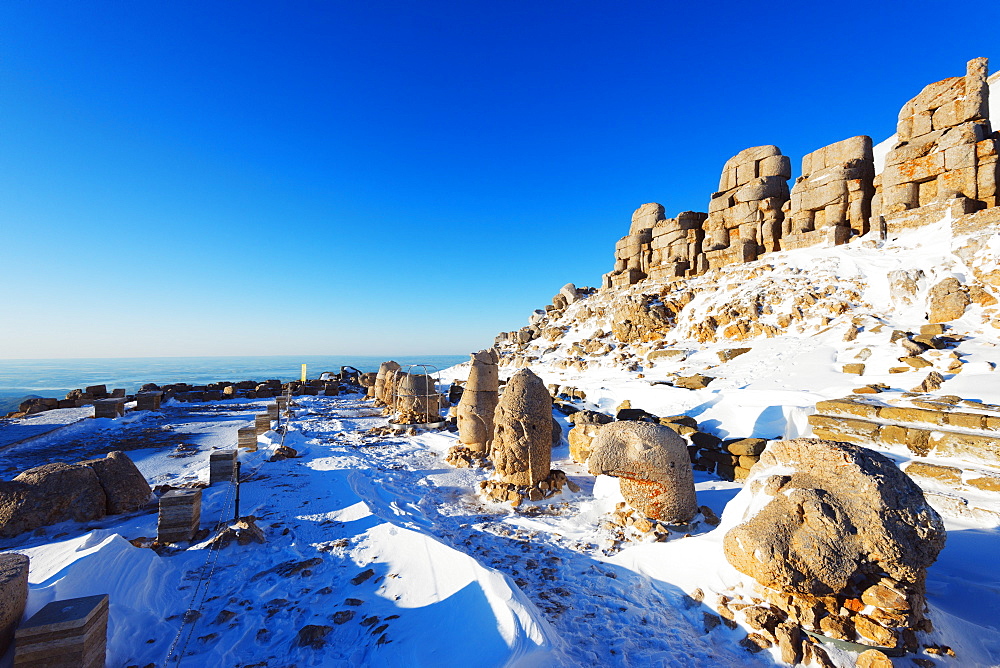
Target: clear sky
(367, 177)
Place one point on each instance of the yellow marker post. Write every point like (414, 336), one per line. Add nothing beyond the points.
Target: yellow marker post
(303, 373)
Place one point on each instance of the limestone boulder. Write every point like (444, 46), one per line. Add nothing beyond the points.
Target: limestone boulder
(653, 466)
(49, 494)
(522, 435)
(13, 595)
(947, 301)
(125, 488)
(833, 518)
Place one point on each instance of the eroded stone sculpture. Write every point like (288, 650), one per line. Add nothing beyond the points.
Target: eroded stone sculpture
(478, 404)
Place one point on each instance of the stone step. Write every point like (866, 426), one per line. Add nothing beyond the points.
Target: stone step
(974, 448)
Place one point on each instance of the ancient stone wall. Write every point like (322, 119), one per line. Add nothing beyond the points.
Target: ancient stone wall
(945, 160)
(832, 199)
(744, 217)
(945, 147)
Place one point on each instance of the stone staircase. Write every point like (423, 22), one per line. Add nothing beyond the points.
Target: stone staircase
(965, 433)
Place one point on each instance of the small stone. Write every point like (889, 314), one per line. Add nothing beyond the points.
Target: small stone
(873, 658)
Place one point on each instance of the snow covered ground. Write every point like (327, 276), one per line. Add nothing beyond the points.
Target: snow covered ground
(389, 548)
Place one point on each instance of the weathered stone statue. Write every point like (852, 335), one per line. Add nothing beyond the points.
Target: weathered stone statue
(744, 217)
(652, 464)
(836, 528)
(522, 434)
(478, 405)
(383, 382)
(832, 199)
(945, 147)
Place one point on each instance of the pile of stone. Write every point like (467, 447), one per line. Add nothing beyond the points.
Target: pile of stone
(730, 459)
(835, 542)
(84, 491)
(627, 525)
(517, 493)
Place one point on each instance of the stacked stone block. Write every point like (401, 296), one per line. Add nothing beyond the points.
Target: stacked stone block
(148, 401)
(946, 147)
(247, 438)
(273, 412)
(262, 422)
(676, 245)
(180, 515)
(221, 466)
(831, 201)
(109, 408)
(745, 216)
(634, 253)
(65, 634)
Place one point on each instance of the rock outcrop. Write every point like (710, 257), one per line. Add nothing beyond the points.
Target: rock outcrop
(478, 404)
(652, 464)
(522, 436)
(835, 528)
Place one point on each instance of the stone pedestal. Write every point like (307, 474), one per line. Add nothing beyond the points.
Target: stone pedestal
(282, 402)
(221, 466)
(180, 515)
(272, 411)
(109, 408)
(65, 634)
(13, 595)
(262, 422)
(247, 438)
(148, 401)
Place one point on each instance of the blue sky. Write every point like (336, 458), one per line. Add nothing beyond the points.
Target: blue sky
(395, 177)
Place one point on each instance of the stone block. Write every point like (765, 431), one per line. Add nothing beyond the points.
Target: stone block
(247, 438)
(65, 634)
(109, 408)
(262, 422)
(180, 515)
(273, 411)
(221, 466)
(850, 430)
(13, 595)
(847, 407)
(148, 401)
(946, 474)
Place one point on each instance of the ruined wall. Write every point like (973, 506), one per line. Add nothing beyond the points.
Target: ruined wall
(946, 157)
(832, 199)
(946, 148)
(744, 217)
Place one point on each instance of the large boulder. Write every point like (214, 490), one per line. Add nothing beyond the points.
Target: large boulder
(653, 466)
(125, 488)
(522, 435)
(49, 494)
(13, 595)
(832, 515)
(478, 404)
